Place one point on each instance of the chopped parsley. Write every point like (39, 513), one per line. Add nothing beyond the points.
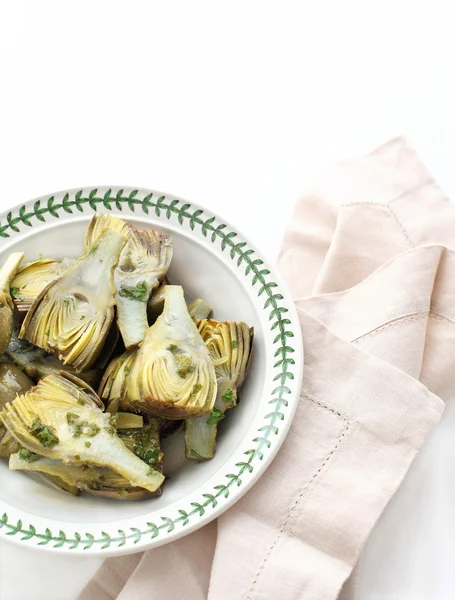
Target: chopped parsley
(173, 348)
(227, 396)
(151, 457)
(88, 444)
(86, 428)
(138, 292)
(197, 387)
(44, 434)
(66, 302)
(48, 333)
(145, 444)
(82, 318)
(126, 370)
(113, 421)
(215, 416)
(94, 248)
(14, 292)
(77, 457)
(184, 365)
(234, 344)
(71, 418)
(25, 454)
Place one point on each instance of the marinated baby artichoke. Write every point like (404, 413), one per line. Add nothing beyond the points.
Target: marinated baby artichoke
(61, 419)
(171, 375)
(230, 345)
(7, 273)
(33, 278)
(72, 316)
(161, 364)
(143, 263)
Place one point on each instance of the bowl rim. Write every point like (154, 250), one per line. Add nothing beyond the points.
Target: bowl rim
(286, 374)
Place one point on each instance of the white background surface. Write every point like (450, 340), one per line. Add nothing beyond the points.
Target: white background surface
(233, 105)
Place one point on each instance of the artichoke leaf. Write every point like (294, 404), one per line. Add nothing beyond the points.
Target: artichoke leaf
(230, 345)
(60, 419)
(98, 481)
(171, 374)
(143, 263)
(72, 316)
(199, 309)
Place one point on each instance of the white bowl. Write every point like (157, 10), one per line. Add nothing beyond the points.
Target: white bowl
(211, 260)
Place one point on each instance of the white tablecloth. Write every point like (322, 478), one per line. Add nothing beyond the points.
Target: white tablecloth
(233, 105)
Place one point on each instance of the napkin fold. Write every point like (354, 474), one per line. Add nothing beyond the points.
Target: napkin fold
(368, 261)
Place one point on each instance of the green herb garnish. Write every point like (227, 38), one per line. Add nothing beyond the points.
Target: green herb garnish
(86, 428)
(151, 457)
(184, 365)
(126, 370)
(215, 416)
(113, 420)
(72, 418)
(88, 444)
(66, 302)
(40, 256)
(82, 318)
(14, 293)
(77, 457)
(227, 396)
(138, 292)
(94, 248)
(44, 434)
(48, 333)
(234, 344)
(173, 348)
(25, 454)
(197, 387)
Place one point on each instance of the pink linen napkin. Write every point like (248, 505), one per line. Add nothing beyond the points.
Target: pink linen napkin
(372, 281)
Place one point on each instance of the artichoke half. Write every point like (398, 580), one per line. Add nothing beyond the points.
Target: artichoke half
(171, 374)
(230, 345)
(143, 263)
(33, 278)
(98, 481)
(72, 316)
(7, 274)
(61, 419)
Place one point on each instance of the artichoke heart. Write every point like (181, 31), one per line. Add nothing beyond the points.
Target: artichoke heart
(7, 274)
(230, 345)
(34, 277)
(98, 481)
(171, 374)
(71, 317)
(143, 263)
(60, 418)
